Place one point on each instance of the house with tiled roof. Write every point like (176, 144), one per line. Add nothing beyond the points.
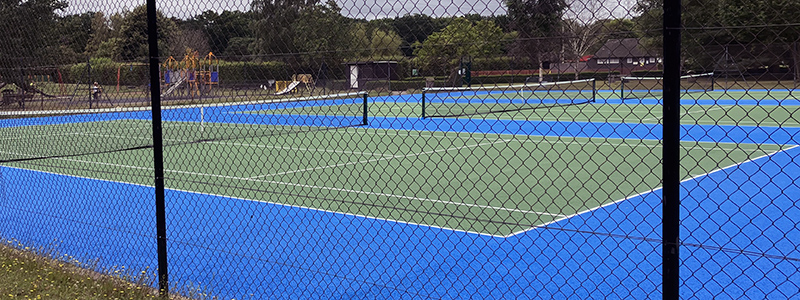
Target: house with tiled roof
(624, 55)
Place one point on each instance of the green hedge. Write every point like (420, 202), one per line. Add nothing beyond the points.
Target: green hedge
(502, 63)
(403, 85)
(253, 72)
(105, 72)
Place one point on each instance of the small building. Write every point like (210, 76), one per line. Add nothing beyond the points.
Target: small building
(625, 56)
(363, 72)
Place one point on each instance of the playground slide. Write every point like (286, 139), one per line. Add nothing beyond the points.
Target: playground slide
(174, 87)
(289, 88)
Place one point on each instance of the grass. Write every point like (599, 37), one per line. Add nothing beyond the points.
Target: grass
(25, 274)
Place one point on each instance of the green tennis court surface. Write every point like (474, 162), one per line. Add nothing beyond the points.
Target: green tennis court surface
(485, 183)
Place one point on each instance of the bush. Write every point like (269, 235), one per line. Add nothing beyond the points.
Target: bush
(243, 73)
(501, 63)
(104, 71)
(403, 85)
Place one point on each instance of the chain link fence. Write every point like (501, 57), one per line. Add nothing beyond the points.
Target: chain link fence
(520, 149)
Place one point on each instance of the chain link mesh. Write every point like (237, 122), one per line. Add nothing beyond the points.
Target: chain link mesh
(410, 150)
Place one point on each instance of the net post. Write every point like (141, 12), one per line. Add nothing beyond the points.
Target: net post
(594, 90)
(712, 82)
(202, 119)
(365, 122)
(423, 103)
(621, 88)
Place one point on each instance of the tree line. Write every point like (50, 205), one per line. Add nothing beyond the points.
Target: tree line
(306, 33)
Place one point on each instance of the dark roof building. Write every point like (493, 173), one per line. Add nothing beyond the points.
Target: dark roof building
(625, 56)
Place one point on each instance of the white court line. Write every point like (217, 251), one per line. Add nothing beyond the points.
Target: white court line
(380, 159)
(707, 123)
(384, 194)
(244, 145)
(577, 140)
(268, 202)
(645, 192)
(306, 186)
(370, 217)
(28, 137)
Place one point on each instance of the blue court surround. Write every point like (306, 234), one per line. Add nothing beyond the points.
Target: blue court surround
(244, 249)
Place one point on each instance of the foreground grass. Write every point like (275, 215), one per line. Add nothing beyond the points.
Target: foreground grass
(25, 275)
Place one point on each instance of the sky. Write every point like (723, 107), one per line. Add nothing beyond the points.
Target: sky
(587, 10)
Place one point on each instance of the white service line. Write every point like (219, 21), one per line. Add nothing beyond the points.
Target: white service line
(245, 145)
(646, 192)
(269, 202)
(28, 137)
(306, 186)
(380, 159)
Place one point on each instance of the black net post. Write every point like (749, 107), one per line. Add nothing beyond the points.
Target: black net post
(671, 151)
(423, 103)
(366, 110)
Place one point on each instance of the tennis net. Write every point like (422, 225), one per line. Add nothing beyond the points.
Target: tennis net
(35, 135)
(470, 101)
(652, 87)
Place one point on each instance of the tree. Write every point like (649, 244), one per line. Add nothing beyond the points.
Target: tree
(374, 42)
(443, 50)
(275, 24)
(133, 34)
(29, 35)
(220, 29)
(189, 38)
(539, 25)
(75, 31)
(415, 29)
(760, 28)
(579, 38)
(321, 35)
(239, 47)
(101, 32)
(582, 38)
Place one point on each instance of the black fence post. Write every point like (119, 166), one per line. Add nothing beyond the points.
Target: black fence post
(158, 154)
(671, 151)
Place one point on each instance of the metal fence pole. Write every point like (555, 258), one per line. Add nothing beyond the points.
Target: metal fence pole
(671, 154)
(158, 155)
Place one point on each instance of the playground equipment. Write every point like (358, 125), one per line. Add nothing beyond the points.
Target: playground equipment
(41, 80)
(285, 87)
(197, 76)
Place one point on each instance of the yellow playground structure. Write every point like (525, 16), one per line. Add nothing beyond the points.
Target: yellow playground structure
(285, 87)
(192, 76)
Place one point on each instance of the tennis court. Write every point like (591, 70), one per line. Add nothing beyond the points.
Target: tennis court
(494, 183)
(491, 188)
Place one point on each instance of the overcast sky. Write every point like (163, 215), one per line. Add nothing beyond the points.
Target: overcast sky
(366, 9)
